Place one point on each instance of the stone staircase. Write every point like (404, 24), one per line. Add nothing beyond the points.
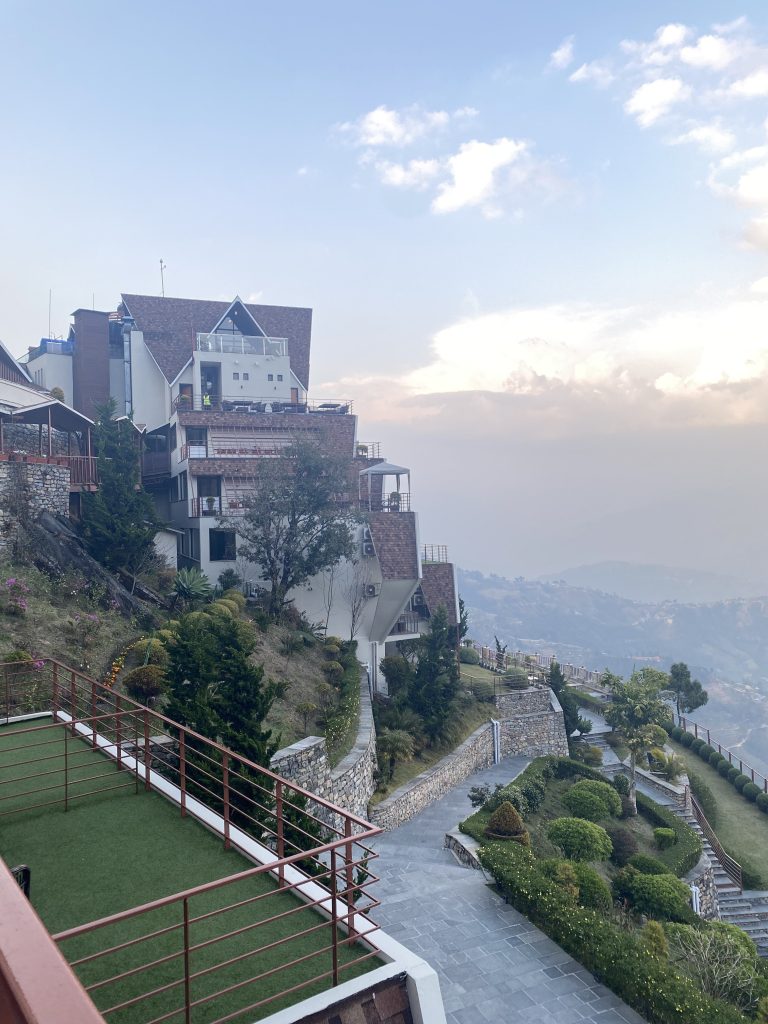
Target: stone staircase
(747, 910)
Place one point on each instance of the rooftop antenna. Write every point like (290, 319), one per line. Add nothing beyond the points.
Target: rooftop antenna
(162, 276)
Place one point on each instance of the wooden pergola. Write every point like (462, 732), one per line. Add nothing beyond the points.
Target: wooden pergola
(53, 415)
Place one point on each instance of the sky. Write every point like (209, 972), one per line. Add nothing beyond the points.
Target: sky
(534, 237)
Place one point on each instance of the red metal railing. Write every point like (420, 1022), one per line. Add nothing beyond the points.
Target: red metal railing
(701, 731)
(311, 848)
(731, 867)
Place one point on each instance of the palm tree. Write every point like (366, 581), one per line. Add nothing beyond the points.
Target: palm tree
(636, 711)
(395, 744)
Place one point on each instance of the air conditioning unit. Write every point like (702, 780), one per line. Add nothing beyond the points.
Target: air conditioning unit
(368, 549)
(371, 590)
(418, 601)
(366, 534)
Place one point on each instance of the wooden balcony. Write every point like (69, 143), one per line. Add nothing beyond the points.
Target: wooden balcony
(83, 469)
(155, 465)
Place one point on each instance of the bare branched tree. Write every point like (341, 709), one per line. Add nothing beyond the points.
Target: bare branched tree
(355, 593)
(725, 967)
(329, 584)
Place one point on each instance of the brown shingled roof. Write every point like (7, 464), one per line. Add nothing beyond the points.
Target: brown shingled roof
(170, 325)
(394, 538)
(438, 584)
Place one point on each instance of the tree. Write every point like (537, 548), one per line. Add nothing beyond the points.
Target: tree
(119, 522)
(294, 524)
(501, 654)
(688, 693)
(355, 593)
(394, 745)
(462, 628)
(580, 839)
(636, 711)
(567, 701)
(435, 685)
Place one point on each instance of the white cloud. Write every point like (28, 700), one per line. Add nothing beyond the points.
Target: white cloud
(752, 86)
(595, 71)
(672, 35)
(386, 127)
(711, 137)
(563, 55)
(760, 286)
(663, 48)
(473, 171)
(756, 233)
(466, 112)
(654, 99)
(752, 187)
(710, 52)
(416, 174)
(730, 26)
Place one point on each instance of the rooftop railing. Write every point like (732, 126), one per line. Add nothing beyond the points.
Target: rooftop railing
(241, 344)
(174, 958)
(245, 404)
(434, 553)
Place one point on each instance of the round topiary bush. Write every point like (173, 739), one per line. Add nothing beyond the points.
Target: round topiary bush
(687, 739)
(593, 756)
(580, 839)
(331, 651)
(762, 802)
(741, 781)
(724, 769)
(621, 784)
(697, 744)
(506, 823)
(237, 596)
(676, 733)
(469, 656)
(665, 837)
(593, 800)
(157, 652)
(706, 751)
(661, 896)
(145, 682)
(334, 670)
(751, 791)
(648, 865)
(733, 774)
(222, 609)
(233, 606)
(715, 759)
(594, 893)
(624, 845)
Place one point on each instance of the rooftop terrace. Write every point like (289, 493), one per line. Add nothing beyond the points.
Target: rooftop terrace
(161, 918)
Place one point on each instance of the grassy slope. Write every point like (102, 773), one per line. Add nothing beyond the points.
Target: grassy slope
(741, 827)
(113, 851)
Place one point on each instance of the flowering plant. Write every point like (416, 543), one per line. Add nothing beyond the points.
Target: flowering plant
(16, 591)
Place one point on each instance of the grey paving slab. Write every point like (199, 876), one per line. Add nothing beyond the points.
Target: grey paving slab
(493, 964)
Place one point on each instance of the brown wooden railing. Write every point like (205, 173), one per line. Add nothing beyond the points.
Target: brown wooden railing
(156, 463)
(310, 847)
(83, 471)
(701, 731)
(731, 867)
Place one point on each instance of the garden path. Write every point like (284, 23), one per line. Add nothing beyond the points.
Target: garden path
(493, 964)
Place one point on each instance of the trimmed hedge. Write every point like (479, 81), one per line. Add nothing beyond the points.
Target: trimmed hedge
(617, 958)
(665, 838)
(705, 796)
(686, 852)
(661, 896)
(594, 892)
(751, 791)
(762, 802)
(741, 783)
(647, 864)
(580, 839)
(686, 739)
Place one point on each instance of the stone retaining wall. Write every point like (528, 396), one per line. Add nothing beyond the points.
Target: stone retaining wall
(29, 488)
(536, 733)
(703, 875)
(522, 702)
(351, 783)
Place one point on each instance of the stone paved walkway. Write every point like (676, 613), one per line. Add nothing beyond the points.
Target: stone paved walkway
(494, 965)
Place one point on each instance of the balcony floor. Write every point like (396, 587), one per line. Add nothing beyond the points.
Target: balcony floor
(119, 849)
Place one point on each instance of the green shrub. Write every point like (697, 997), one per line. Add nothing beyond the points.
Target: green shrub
(762, 1011)
(331, 651)
(229, 604)
(687, 739)
(594, 892)
(231, 594)
(705, 751)
(469, 656)
(648, 865)
(583, 804)
(624, 845)
(741, 781)
(665, 837)
(650, 985)
(222, 608)
(602, 792)
(145, 682)
(705, 797)
(676, 733)
(715, 758)
(580, 839)
(593, 756)
(620, 783)
(725, 768)
(655, 940)
(735, 936)
(762, 802)
(751, 791)
(506, 823)
(659, 896)
(151, 650)
(334, 670)
(697, 744)
(685, 854)
(733, 774)
(563, 874)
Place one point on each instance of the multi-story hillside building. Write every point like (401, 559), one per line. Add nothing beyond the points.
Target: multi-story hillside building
(216, 387)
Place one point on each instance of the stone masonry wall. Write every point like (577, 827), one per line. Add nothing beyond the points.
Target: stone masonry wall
(29, 488)
(536, 733)
(522, 702)
(703, 875)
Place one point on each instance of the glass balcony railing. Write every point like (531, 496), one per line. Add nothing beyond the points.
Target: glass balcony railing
(241, 344)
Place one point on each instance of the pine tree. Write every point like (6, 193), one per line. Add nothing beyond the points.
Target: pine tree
(436, 684)
(119, 522)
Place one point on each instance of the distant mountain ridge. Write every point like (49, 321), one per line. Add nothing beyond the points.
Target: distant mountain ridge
(725, 643)
(657, 583)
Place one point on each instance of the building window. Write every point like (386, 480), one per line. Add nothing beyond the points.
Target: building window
(173, 438)
(222, 545)
(181, 485)
(235, 376)
(279, 376)
(270, 376)
(246, 376)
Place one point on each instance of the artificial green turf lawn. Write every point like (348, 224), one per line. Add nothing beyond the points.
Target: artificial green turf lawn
(741, 827)
(119, 849)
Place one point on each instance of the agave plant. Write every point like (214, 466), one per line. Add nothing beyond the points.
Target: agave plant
(191, 586)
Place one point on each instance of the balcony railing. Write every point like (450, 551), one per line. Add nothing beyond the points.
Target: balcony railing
(244, 345)
(83, 472)
(368, 449)
(434, 553)
(245, 404)
(228, 505)
(397, 501)
(238, 448)
(408, 622)
(304, 845)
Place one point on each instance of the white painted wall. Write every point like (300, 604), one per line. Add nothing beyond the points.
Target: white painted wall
(165, 546)
(53, 370)
(151, 394)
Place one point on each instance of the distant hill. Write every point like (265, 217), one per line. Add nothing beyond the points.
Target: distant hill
(657, 583)
(725, 643)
